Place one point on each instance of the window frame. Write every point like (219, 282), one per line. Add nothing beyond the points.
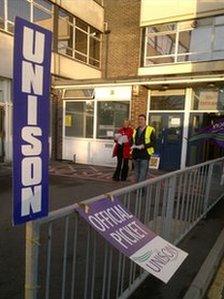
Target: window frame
(54, 12)
(79, 100)
(89, 36)
(177, 31)
(95, 113)
(96, 121)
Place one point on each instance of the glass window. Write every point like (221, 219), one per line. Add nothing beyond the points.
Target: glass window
(82, 25)
(174, 102)
(197, 40)
(1, 96)
(162, 28)
(79, 119)
(208, 99)
(65, 33)
(161, 45)
(2, 25)
(80, 41)
(19, 8)
(94, 51)
(79, 93)
(44, 3)
(110, 117)
(95, 33)
(42, 14)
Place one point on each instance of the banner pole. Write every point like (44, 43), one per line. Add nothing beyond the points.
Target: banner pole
(32, 251)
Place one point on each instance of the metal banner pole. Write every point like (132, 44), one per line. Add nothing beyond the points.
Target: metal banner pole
(32, 251)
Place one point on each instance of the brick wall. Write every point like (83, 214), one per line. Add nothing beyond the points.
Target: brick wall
(138, 104)
(123, 17)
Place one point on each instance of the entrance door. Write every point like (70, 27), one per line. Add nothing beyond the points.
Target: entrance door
(1, 134)
(169, 129)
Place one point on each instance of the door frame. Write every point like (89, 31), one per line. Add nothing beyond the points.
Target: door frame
(186, 116)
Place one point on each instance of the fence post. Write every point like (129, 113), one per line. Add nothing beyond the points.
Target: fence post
(208, 187)
(32, 251)
(167, 225)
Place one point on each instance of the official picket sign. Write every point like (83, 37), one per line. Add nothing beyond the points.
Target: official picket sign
(131, 237)
(31, 87)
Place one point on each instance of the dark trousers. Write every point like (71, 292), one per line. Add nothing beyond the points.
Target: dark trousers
(121, 171)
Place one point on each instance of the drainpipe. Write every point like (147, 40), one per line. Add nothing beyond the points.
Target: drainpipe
(106, 32)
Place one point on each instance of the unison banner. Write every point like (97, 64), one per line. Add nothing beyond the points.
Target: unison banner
(31, 87)
(131, 237)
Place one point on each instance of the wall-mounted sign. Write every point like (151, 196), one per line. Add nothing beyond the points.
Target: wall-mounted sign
(208, 100)
(120, 93)
(31, 86)
(132, 238)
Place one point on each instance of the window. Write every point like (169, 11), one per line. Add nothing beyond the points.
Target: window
(110, 117)
(17, 8)
(193, 40)
(94, 50)
(79, 94)
(42, 14)
(74, 37)
(173, 102)
(36, 11)
(2, 15)
(208, 99)
(79, 119)
(78, 40)
(65, 33)
(81, 40)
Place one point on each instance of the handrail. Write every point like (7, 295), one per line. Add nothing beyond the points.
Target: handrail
(62, 212)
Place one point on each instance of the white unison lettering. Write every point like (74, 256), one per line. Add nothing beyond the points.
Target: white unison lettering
(32, 83)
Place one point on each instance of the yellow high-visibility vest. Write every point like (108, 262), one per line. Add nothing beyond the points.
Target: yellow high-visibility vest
(148, 132)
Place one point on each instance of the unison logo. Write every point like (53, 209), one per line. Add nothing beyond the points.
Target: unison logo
(162, 257)
(31, 120)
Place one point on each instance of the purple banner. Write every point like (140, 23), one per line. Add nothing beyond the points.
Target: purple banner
(131, 237)
(214, 132)
(31, 87)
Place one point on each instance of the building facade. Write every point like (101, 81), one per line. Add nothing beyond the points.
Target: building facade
(164, 58)
(76, 48)
(168, 54)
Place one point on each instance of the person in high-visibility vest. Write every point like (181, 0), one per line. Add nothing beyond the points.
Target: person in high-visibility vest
(143, 145)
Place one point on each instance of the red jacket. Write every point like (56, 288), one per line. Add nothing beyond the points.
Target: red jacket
(127, 145)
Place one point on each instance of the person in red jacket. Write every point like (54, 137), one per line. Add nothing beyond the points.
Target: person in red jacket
(122, 151)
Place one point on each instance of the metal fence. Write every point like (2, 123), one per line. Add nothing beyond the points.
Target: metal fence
(65, 258)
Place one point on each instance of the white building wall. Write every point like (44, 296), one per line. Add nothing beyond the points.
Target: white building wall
(160, 11)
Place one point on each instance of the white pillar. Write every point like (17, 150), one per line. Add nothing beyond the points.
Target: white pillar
(188, 99)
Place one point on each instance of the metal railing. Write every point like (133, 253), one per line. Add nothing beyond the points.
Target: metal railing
(65, 258)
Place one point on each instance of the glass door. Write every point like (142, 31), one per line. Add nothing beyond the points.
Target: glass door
(166, 115)
(169, 129)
